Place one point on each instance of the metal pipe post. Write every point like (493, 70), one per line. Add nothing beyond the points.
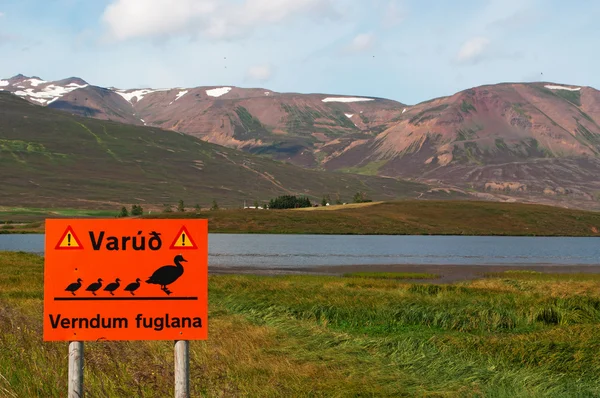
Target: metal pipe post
(182, 369)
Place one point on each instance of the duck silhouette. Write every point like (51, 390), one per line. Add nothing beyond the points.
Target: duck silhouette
(94, 286)
(73, 287)
(111, 287)
(168, 274)
(133, 286)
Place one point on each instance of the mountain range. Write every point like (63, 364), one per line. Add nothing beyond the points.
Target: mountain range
(511, 141)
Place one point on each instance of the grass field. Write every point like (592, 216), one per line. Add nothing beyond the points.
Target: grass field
(510, 335)
(391, 275)
(410, 217)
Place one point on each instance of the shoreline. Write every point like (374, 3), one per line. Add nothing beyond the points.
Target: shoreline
(448, 273)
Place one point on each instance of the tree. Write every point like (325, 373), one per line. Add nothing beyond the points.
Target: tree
(214, 206)
(168, 209)
(256, 204)
(324, 201)
(289, 202)
(123, 212)
(197, 208)
(137, 210)
(180, 206)
(360, 197)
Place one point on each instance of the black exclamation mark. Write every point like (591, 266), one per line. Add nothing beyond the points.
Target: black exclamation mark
(182, 239)
(69, 239)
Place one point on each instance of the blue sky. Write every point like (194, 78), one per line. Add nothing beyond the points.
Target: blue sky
(405, 50)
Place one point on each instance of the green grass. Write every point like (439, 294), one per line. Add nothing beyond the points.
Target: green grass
(571, 96)
(371, 168)
(392, 275)
(329, 336)
(30, 220)
(420, 117)
(518, 107)
(52, 159)
(409, 217)
(250, 126)
(467, 107)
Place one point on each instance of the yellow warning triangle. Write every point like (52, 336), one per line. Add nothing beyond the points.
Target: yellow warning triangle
(183, 240)
(69, 240)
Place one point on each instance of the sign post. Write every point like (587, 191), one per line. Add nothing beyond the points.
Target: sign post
(107, 279)
(182, 369)
(75, 369)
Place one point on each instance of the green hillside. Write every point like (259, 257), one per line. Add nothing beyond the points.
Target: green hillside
(50, 158)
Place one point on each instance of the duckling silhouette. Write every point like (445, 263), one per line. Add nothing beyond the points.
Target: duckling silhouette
(73, 287)
(133, 286)
(111, 287)
(94, 286)
(168, 274)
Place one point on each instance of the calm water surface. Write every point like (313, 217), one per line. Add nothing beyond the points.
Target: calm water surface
(290, 251)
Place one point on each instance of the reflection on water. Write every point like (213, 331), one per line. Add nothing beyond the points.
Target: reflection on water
(308, 250)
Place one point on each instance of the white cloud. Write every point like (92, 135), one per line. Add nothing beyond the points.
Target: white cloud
(129, 19)
(473, 50)
(361, 42)
(394, 14)
(260, 72)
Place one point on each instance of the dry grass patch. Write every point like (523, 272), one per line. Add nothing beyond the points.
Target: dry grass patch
(339, 207)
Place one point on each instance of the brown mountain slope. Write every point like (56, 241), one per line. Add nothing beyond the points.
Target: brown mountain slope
(536, 140)
(511, 137)
(285, 126)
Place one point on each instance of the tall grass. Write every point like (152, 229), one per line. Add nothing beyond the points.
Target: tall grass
(511, 335)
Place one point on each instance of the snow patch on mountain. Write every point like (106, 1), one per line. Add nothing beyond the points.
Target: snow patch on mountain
(349, 115)
(129, 95)
(181, 94)
(36, 82)
(48, 94)
(403, 110)
(551, 87)
(346, 99)
(4, 83)
(217, 92)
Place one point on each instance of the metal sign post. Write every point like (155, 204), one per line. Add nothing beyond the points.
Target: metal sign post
(75, 369)
(182, 369)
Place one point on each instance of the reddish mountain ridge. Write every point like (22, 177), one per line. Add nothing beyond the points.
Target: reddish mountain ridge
(538, 139)
(511, 140)
(285, 126)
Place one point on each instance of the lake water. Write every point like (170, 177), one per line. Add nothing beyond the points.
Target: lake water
(291, 251)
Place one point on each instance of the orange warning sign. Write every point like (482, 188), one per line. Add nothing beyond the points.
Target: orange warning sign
(183, 240)
(68, 240)
(124, 282)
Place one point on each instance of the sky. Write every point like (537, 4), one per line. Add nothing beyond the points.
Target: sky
(406, 50)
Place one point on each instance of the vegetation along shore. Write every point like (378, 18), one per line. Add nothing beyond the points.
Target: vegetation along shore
(505, 335)
(410, 217)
